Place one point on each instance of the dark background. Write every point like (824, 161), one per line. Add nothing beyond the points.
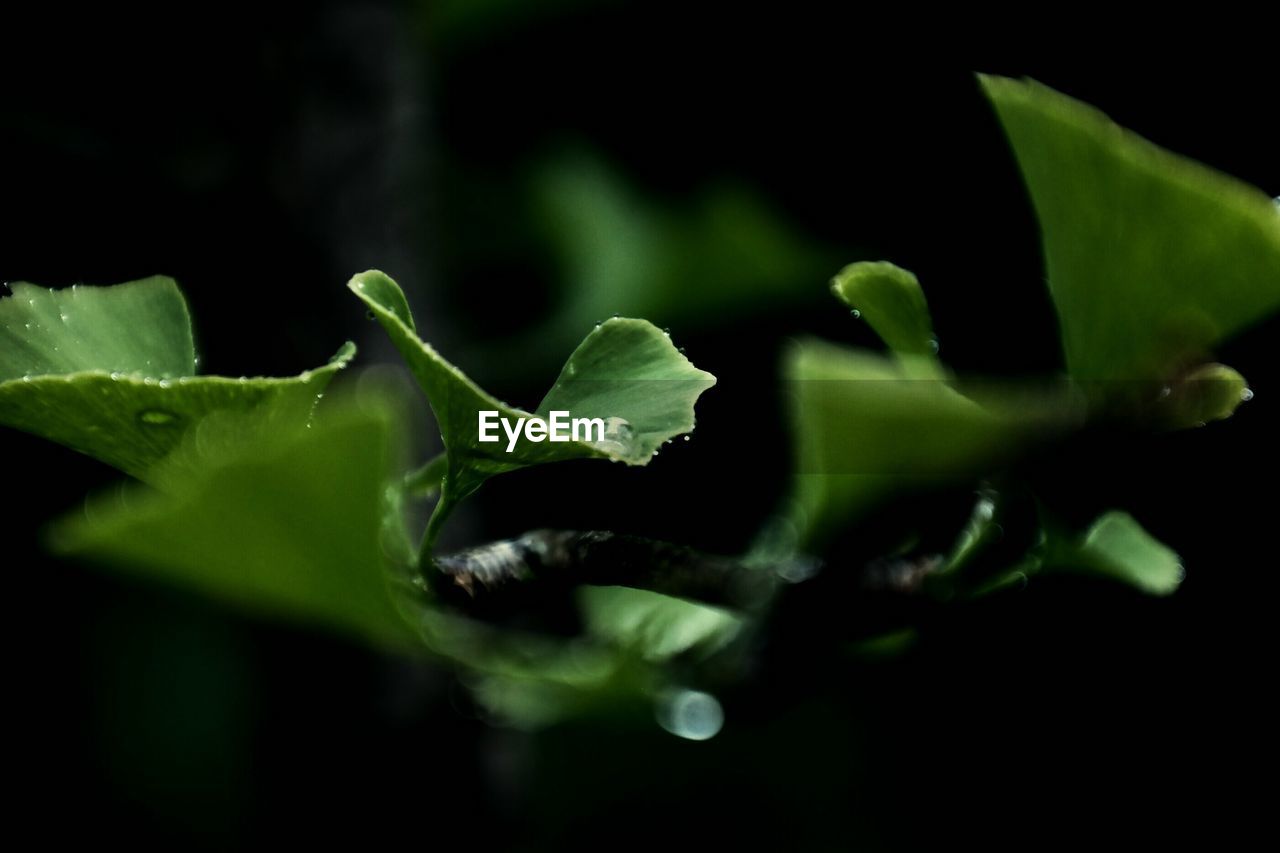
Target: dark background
(263, 155)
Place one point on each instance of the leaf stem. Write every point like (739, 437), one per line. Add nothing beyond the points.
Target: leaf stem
(426, 481)
(443, 507)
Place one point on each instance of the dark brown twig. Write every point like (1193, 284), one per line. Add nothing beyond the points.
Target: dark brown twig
(550, 559)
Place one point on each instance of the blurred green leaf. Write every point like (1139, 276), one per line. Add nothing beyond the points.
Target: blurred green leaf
(621, 251)
(890, 299)
(1117, 547)
(867, 426)
(626, 372)
(530, 680)
(1210, 392)
(108, 371)
(656, 627)
(287, 524)
(1152, 258)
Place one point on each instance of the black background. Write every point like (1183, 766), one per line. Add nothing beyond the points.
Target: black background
(263, 155)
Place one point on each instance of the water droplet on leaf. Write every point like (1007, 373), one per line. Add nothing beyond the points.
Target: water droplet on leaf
(617, 436)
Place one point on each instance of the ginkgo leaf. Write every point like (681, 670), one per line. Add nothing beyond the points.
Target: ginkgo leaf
(1152, 258)
(287, 522)
(109, 371)
(626, 373)
(654, 626)
(1116, 546)
(141, 328)
(867, 427)
(892, 303)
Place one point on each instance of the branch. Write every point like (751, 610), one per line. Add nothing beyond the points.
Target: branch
(562, 559)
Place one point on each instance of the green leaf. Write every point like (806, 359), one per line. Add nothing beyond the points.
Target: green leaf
(287, 524)
(1210, 392)
(890, 299)
(656, 627)
(1116, 546)
(108, 371)
(138, 328)
(725, 252)
(867, 426)
(1152, 258)
(626, 372)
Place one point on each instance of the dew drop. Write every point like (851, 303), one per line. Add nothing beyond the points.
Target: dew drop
(617, 436)
(690, 714)
(686, 438)
(933, 346)
(618, 429)
(1246, 394)
(855, 313)
(157, 417)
